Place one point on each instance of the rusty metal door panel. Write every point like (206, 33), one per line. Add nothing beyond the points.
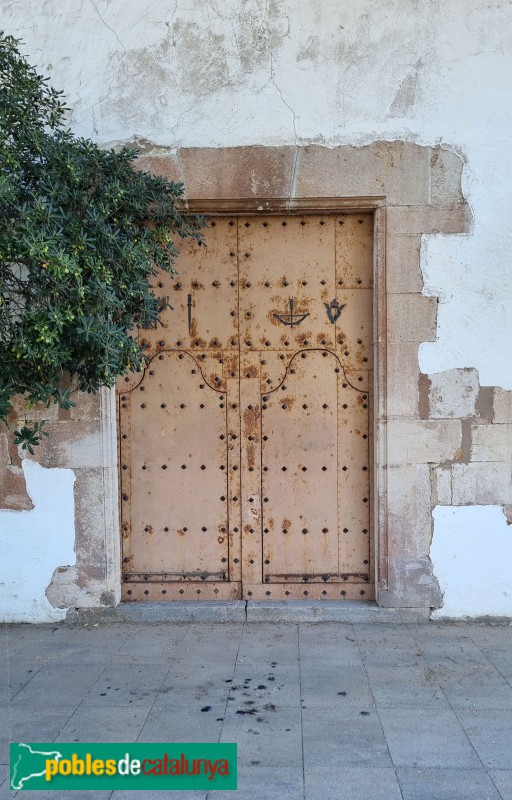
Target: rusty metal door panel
(286, 263)
(353, 482)
(178, 450)
(204, 295)
(245, 446)
(299, 457)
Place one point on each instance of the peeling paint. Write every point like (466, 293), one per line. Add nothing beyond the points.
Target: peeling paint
(35, 543)
(471, 554)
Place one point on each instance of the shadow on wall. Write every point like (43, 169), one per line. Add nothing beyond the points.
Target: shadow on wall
(34, 543)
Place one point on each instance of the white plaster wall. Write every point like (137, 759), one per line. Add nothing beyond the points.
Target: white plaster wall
(34, 543)
(233, 72)
(471, 556)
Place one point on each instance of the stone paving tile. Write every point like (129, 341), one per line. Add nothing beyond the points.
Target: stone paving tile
(5, 793)
(194, 684)
(334, 685)
(426, 737)
(161, 794)
(352, 783)
(154, 644)
(328, 640)
(484, 689)
(5, 734)
(19, 676)
(64, 795)
(212, 641)
(490, 733)
(263, 642)
(446, 784)
(40, 646)
(127, 684)
(184, 724)
(271, 738)
(104, 724)
(56, 684)
(345, 737)
(405, 686)
(503, 781)
(260, 783)
(275, 682)
(40, 724)
(496, 644)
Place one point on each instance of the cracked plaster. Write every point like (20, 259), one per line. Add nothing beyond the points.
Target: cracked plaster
(241, 73)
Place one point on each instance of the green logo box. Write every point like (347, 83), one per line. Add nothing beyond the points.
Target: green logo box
(122, 765)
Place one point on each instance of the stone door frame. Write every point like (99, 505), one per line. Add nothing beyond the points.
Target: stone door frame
(413, 190)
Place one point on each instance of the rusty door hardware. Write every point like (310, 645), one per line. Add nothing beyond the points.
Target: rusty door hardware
(291, 318)
(245, 444)
(189, 310)
(334, 310)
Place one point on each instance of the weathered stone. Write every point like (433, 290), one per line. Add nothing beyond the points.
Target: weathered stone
(165, 166)
(453, 393)
(423, 441)
(412, 318)
(491, 442)
(88, 406)
(402, 380)
(482, 483)
(445, 177)
(411, 583)
(502, 405)
(403, 273)
(429, 219)
(4, 450)
(398, 171)
(409, 506)
(13, 489)
(72, 444)
(443, 477)
(234, 172)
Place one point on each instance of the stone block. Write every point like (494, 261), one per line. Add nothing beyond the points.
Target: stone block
(445, 177)
(429, 219)
(76, 444)
(402, 380)
(412, 318)
(482, 483)
(423, 441)
(411, 583)
(453, 393)
(234, 172)
(88, 406)
(403, 273)
(398, 171)
(4, 450)
(502, 405)
(491, 442)
(13, 489)
(164, 166)
(410, 511)
(90, 516)
(443, 483)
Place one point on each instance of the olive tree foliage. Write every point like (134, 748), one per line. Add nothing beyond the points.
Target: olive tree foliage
(82, 235)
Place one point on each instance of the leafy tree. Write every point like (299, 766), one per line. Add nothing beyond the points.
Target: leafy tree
(82, 234)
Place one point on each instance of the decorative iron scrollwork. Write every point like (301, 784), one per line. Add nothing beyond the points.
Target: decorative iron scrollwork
(291, 318)
(334, 310)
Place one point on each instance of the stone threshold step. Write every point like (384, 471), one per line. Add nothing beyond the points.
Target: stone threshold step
(249, 611)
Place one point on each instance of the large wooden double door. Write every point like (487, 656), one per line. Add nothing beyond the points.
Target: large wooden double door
(245, 445)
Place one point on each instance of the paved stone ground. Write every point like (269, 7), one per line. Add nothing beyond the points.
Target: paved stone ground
(326, 711)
